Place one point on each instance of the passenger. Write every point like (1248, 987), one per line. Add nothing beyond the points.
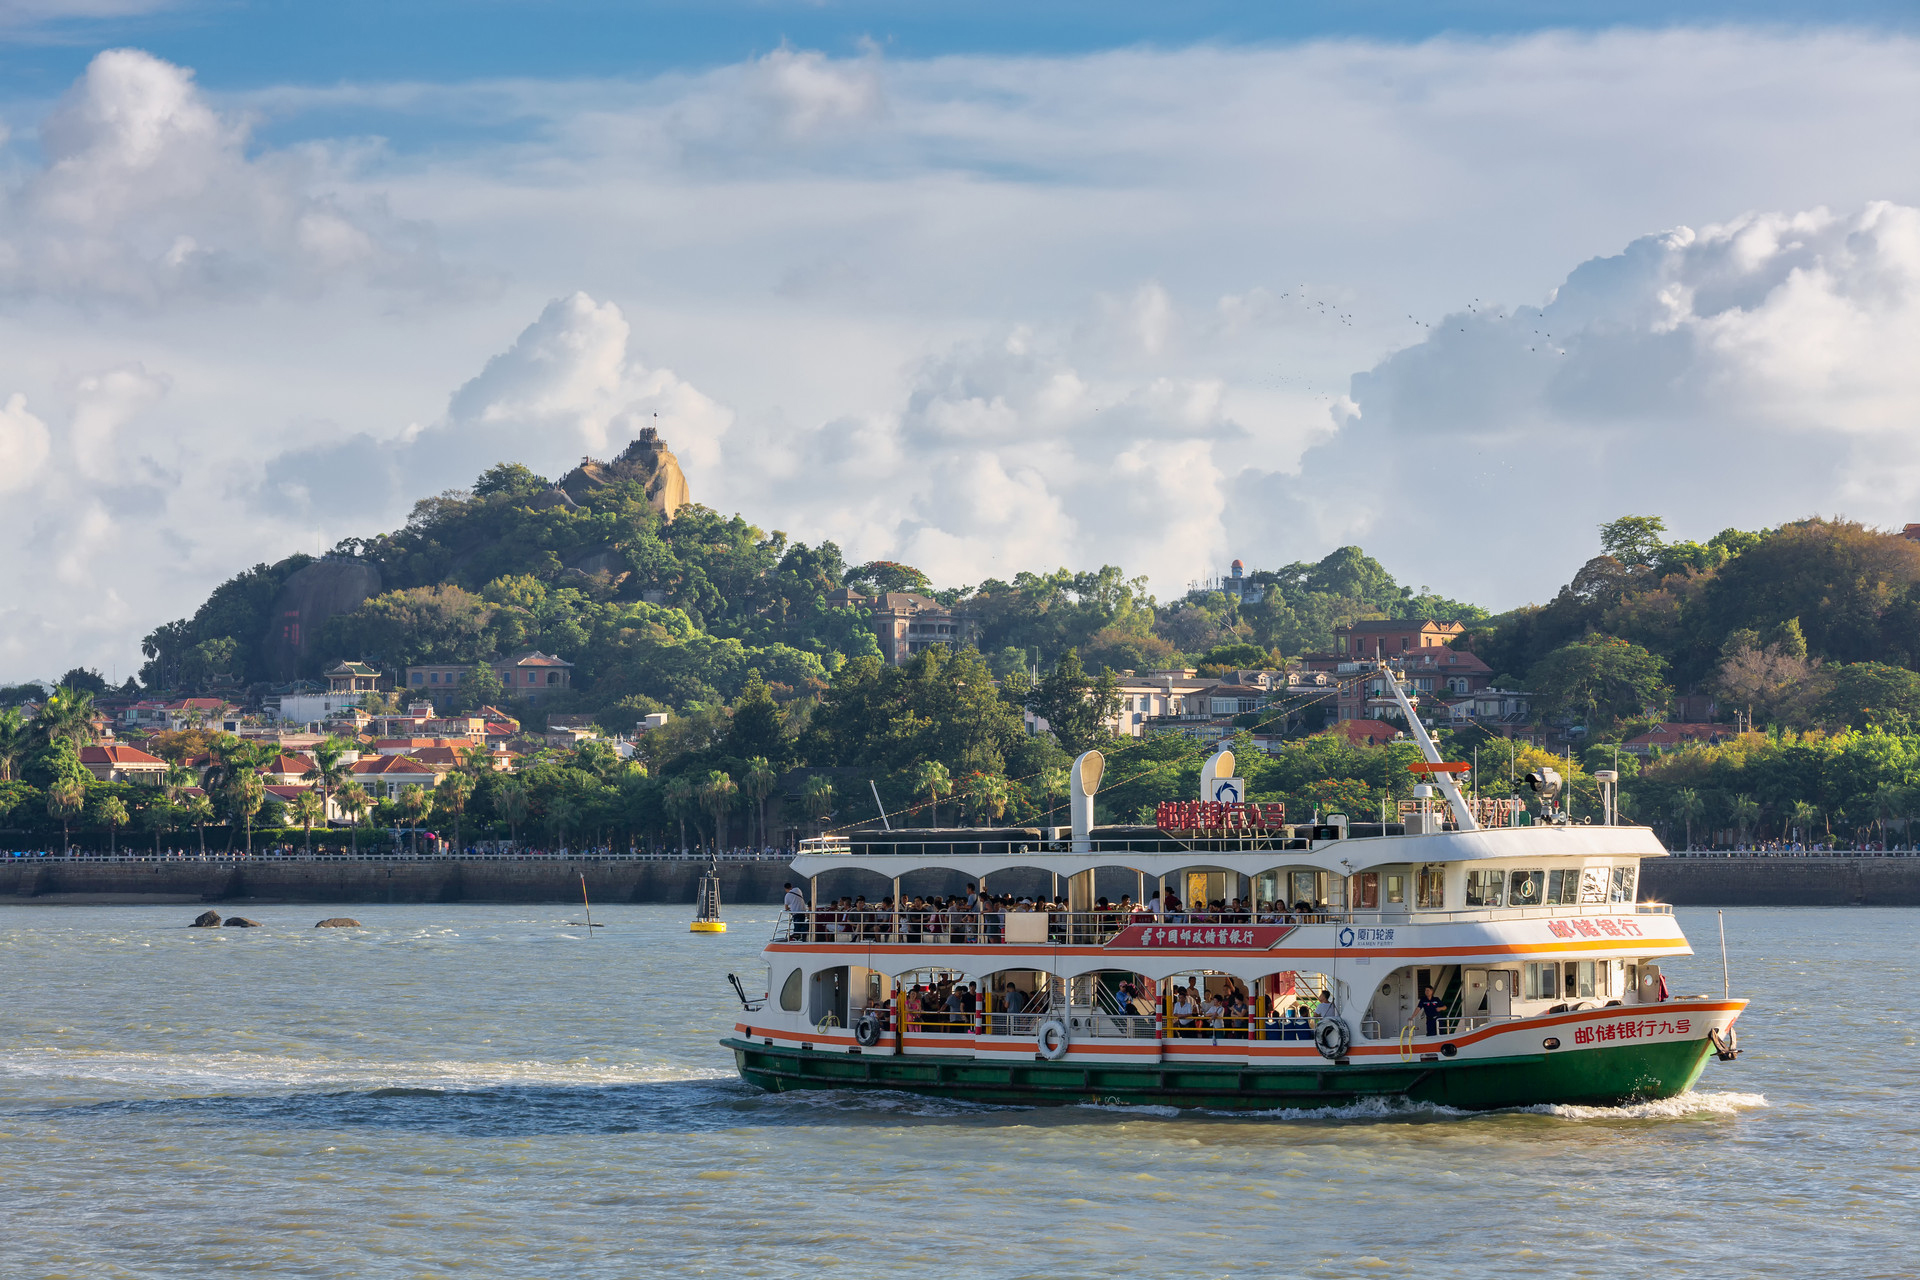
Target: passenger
(796, 905)
(1216, 1016)
(956, 1010)
(1184, 1013)
(1431, 1009)
(910, 1008)
(1016, 1000)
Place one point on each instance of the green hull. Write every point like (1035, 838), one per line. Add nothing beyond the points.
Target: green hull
(1586, 1077)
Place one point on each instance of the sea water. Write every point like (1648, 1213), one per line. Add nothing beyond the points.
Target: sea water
(471, 1090)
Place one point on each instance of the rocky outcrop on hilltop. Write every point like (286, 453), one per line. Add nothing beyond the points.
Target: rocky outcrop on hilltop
(646, 461)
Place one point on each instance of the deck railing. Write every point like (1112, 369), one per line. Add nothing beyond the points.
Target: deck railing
(962, 928)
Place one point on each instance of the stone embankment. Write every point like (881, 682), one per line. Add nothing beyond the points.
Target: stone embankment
(1684, 881)
(426, 880)
(1740, 881)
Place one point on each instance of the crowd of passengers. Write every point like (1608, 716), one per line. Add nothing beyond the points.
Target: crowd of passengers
(978, 917)
(953, 1005)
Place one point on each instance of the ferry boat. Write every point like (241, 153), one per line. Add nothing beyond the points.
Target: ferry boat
(1475, 955)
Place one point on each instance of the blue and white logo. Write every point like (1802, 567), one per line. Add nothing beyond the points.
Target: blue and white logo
(1228, 790)
(1346, 937)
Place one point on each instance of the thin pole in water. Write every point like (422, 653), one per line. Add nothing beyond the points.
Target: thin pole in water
(585, 903)
(1726, 979)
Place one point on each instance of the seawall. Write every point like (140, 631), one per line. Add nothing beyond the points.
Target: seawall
(1782, 882)
(1702, 882)
(371, 881)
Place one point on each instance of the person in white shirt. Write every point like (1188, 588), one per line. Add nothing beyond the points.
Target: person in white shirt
(796, 904)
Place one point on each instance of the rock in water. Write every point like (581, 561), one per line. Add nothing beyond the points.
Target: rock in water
(338, 922)
(241, 922)
(206, 920)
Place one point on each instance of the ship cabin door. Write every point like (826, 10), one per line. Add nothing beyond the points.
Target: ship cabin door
(828, 997)
(1488, 993)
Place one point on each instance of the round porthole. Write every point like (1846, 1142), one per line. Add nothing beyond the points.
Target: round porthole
(1551, 1042)
(1449, 1050)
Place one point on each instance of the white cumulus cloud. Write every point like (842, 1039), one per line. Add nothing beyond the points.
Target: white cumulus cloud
(1739, 374)
(146, 192)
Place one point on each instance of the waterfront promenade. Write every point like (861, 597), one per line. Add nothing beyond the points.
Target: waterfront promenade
(1697, 878)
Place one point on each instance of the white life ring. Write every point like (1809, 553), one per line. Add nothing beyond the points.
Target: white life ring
(1332, 1038)
(1052, 1039)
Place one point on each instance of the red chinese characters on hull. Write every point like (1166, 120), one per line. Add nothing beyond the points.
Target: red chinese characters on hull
(1632, 1029)
(1212, 937)
(1602, 927)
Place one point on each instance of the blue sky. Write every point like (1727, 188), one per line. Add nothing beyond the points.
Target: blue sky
(248, 45)
(980, 287)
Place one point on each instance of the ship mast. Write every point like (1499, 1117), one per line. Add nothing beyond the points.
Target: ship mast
(1462, 816)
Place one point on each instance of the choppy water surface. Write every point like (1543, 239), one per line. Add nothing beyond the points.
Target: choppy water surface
(474, 1090)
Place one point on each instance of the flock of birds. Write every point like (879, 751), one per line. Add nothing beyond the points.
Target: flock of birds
(1542, 342)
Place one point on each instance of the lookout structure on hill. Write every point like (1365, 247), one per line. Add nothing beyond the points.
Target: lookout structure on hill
(647, 461)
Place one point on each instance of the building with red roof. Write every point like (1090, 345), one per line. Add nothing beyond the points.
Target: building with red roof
(116, 762)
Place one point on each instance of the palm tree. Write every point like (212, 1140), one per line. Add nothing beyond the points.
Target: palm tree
(66, 714)
(679, 799)
(758, 785)
(1686, 806)
(246, 792)
(932, 777)
(15, 740)
(199, 812)
(450, 797)
(308, 808)
(64, 799)
(175, 781)
(819, 800)
(1887, 800)
(716, 796)
(1744, 809)
(986, 797)
(160, 815)
(511, 799)
(560, 815)
(352, 799)
(414, 802)
(1803, 817)
(329, 770)
(111, 812)
(1053, 784)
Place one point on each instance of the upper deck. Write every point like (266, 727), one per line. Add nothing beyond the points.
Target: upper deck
(1339, 851)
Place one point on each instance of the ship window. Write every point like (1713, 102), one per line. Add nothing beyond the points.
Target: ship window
(1432, 888)
(1581, 981)
(1563, 887)
(1528, 889)
(1542, 981)
(1623, 878)
(1593, 885)
(790, 992)
(1366, 891)
(1396, 890)
(1483, 888)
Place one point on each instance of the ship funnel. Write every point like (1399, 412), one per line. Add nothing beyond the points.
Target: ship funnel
(1218, 765)
(1084, 781)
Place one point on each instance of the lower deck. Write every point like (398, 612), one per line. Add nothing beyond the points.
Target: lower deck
(1603, 1075)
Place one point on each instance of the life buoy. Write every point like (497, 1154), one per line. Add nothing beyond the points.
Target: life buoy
(866, 1031)
(1332, 1038)
(1052, 1039)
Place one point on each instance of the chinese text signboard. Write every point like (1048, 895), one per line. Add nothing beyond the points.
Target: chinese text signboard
(1214, 815)
(1242, 937)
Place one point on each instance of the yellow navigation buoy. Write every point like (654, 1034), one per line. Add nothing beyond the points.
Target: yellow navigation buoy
(708, 920)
